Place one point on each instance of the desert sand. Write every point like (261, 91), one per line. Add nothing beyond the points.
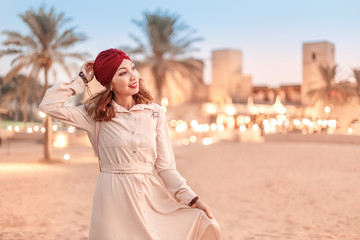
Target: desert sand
(269, 190)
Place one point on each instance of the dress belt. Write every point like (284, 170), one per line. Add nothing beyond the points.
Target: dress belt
(127, 168)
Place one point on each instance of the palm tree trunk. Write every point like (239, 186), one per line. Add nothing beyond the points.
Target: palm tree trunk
(47, 138)
(24, 107)
(358, 89)
(16, 112)
(48, 127)
(159, 75)
(32, 112)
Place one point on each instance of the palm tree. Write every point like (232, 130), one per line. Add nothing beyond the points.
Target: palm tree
(356, 73)
(35, 95)
(40, 50)
(10, 95)
(13, 93)
(327, 74)
(165, 52)
(332, 92)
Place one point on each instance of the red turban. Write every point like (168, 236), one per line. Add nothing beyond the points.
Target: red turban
(106, 64)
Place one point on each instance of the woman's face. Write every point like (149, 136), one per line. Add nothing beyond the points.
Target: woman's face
(126, 79)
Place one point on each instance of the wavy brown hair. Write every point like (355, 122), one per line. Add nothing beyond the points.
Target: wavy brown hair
(100, 105)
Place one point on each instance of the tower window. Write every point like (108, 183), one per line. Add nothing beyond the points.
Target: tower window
(313, 56)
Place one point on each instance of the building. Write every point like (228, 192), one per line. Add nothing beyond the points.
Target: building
(315, 54)
(290, 94)
(228, 80)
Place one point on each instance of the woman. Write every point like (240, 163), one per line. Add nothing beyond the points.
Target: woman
(130, 135)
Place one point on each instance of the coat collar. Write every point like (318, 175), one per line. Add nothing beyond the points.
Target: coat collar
(119, 108)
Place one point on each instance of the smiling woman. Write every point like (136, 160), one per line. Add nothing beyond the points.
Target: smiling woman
(130, 135)
(112, 75)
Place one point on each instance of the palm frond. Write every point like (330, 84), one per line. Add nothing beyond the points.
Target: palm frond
(15, 70)
(168, 41)
(68, 38)
(10, 51)
(356, 73)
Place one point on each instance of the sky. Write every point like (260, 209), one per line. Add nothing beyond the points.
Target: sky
(269, 33)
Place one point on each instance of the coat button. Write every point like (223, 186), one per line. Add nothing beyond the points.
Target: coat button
(134, 151)
(129, 115)
(132, 133)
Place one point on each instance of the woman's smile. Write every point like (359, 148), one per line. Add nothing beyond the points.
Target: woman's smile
(134, 85)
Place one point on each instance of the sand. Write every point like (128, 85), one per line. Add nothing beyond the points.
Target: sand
(270, 190)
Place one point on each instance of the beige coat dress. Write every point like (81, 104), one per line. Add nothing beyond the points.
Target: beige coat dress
(129, 203)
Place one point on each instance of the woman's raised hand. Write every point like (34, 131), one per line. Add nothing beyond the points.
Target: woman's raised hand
(87, 69)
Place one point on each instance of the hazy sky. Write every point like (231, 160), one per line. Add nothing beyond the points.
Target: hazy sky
(270, 33)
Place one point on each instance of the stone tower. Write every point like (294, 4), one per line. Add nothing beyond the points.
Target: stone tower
(315, 54)
(228, 81)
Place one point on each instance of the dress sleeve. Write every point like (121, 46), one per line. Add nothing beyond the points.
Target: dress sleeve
(53, 105)
(165, 163)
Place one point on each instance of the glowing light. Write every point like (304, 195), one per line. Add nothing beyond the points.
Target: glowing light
(165, 109)
(286, 123)
(247, 119)
(240, 120)
(55, 127)
(198, 128)
(186, 141)
(36, 128)
(213, 127)
(261, 109)
(194, 123)
(330, 130)
(164, 101)
(71, 129)
(297, 122)
(273, 121)
(210, 108)
(220, 119)
(181, 127)
(16, 128)
(29, 130)
(66, 156)
(332, 123)
(324, 123)
(207, 141)
(306, 121)
(60, 141)
(327, 109)
(173, 123)
(9, 128)
(230, 122)
(42, 115)
(350, 131)
(281, 117)
(255, 127)
(206, 127)
(242, 128)
(193, 139)
(42, 130)
(221, 127)
(267, 128)
(230, 110)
